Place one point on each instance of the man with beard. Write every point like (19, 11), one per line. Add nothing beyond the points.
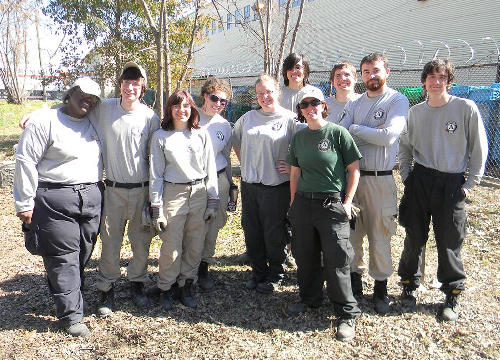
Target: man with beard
(375, 121)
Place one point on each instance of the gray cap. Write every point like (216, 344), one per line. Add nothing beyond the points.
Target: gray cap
(310, 91)
(132, 64)
(88, 86)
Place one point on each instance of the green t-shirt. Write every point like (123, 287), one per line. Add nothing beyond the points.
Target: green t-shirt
(322, 156)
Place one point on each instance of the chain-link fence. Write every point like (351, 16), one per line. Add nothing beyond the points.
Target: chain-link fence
(479, 83)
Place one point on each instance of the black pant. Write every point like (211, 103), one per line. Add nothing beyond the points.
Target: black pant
(64, 227)
(322, 226)
(431, 193)
(263, 220)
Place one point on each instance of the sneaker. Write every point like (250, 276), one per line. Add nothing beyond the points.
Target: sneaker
(450, 307)
(408, 299)
(78, 330)
(106, 303)
(166, 300)
(345, 330)
(380, 299)
(186, 296)
(138, 295)
(267, 287)
(296, 309)
(356, 284)
(251, 283)
(205, 282)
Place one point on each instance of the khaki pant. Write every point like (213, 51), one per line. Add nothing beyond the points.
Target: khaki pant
(182, 241)
(122, 205)
(212, 228)
(377, 199)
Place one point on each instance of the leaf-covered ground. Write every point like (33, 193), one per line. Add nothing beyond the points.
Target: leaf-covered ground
(234, 323)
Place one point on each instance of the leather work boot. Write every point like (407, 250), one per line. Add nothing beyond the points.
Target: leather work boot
(345, 330)
(186, 296)
(138, 295)
(106, 302)
(205, 282)
(450, 307)
(356, 284)
(408, 299)
(167, 300)
(380, 299)
(78, 330)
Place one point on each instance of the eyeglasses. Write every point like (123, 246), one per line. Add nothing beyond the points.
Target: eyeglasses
(262, 94)
(314, 102)
(215, 99)
(133, 83)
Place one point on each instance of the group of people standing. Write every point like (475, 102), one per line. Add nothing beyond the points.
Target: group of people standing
(326, 166)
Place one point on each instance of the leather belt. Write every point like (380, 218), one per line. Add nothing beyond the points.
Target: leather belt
(75, 187)
(221, 171)
(336, 196)
(194, 182)
(375, 172)
(117, 184)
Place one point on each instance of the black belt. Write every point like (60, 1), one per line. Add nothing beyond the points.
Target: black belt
(75, 187)
(221, 171)
(336, 196)
(286, 183)
(125, 185)
(433, 172)
(194, 182)
(375, 173)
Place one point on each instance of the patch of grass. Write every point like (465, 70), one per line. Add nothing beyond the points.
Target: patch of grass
(10, 115)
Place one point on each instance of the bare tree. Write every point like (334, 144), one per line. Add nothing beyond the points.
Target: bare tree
(14, 22)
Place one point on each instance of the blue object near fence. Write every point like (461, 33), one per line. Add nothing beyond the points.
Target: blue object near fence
(460, 91)
(487, 100)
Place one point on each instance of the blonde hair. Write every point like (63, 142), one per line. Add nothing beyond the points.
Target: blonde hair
(268, 78)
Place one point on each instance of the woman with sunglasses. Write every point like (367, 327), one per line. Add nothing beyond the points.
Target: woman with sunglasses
(183, 192)
(58, 192)
(260, 139)
(321, 196)
(215, 93)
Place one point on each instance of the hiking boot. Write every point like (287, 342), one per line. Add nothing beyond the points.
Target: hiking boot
(267, 287)
(345, 330)
(408, 299)
(139, 298)
(380, 299)
(296, 309)
(356, 284)
(167, 300)
(450, 307)
(205, 282)
(185, 294)
(106, 303)
(78, 330)
(243, 259)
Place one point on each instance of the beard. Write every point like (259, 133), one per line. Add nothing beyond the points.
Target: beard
(375, 84)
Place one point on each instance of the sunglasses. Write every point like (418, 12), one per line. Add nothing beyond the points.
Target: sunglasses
(314, 102)
(215, 99)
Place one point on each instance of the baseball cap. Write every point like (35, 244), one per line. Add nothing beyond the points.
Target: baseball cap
(310, 91)
(135, 65)
(88, 86)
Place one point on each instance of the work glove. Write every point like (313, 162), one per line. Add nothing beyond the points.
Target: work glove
(210, 214)
(233, 198)
(146, 216)
(159, 220)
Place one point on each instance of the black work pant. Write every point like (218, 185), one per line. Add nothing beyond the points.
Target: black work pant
(64, 230)
(321, 225)
(263, 220)
(431, 193)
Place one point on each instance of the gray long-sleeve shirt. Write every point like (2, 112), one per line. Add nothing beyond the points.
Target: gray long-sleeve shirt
(376, 124)
(181, 156)
(125, 136)
(55, 148)
(449, 138)
(263, 139)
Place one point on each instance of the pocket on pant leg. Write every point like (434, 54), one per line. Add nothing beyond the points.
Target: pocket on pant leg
(389, 215)
(31, 243)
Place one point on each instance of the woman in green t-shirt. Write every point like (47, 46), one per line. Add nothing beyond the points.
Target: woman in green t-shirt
(320, 209)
